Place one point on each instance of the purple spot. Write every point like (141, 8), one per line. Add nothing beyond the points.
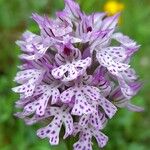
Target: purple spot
(53, 132)
(89, 29)
(67, 51)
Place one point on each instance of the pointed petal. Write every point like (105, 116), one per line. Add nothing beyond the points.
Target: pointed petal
(38, 19)
(134, 108)
(110, 22)
(98, 20)
(72, 8)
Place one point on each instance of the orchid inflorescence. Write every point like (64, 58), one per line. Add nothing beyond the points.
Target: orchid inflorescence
(74, 77)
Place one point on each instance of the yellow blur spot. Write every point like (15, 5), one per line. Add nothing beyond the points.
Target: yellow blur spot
(112, 7)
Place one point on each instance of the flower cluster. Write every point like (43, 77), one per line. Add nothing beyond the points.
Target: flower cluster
(73, 76)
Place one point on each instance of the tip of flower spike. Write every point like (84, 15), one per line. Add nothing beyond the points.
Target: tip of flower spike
(34, 15)
(72, 8)
(111, 22)
(116, 16)
(37, 18)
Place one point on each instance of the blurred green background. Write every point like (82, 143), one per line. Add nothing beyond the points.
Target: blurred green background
(127, 130)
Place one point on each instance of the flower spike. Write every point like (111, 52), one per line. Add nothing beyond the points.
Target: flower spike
(73, 77)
